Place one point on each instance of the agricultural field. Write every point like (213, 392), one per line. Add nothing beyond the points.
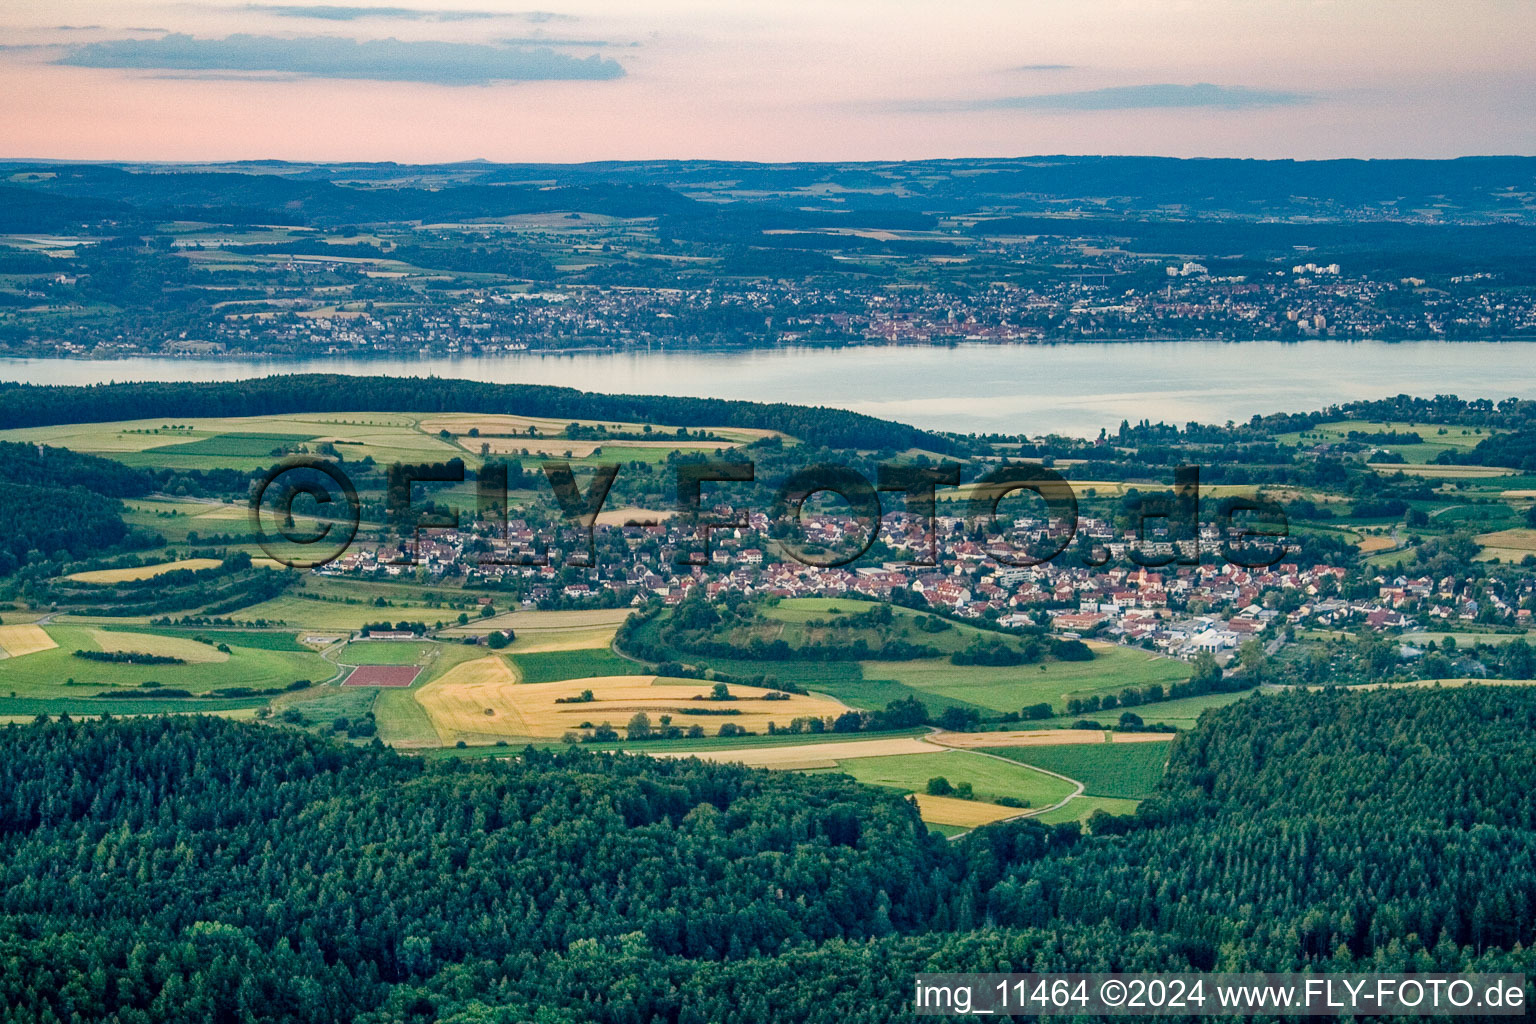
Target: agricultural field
(255, 442)
(550, 630)
(484, 700)
(402, 721)
(1010, 688)
(1442, 472)
(961, 815)
(265, 640)
(1436, 438)
(1081, 808)
(1126, 770)
(505, 427)
(142, 572)
(553, 666)
(806, 621)
(1508, 545)
(1181, 713)
(990, 777)
(18, 641)
(1040, 738)
(57, 673)
(320, 603)
(937, 682)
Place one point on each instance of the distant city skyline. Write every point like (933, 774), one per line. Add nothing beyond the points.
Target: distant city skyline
(420, 81)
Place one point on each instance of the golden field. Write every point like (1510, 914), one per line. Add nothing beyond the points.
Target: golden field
(26, 639)
(807, 755)
(143, 572)
(185, 648)
(947, 810)
(482, 700)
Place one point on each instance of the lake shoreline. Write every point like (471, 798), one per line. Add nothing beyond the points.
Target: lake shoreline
(806, 344)
(1075, 388)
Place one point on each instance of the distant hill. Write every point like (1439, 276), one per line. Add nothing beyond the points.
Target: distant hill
(1474, 189)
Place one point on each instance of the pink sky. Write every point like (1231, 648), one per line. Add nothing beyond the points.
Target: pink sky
(832, 79)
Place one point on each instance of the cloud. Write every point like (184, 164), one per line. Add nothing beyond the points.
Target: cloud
(1139, 97)
(336, 12)
(1043, 67)
(384, 60)
(553, 41)
(327, 12)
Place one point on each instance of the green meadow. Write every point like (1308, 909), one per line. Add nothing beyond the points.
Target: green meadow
(1009, 688)
(1126, 770)
(1081, 808)
(48, 673)
(990, 777)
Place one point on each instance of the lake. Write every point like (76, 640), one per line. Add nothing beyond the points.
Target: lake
(1068, 389)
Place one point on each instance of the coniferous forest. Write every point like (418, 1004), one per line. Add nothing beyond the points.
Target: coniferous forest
(194, 869)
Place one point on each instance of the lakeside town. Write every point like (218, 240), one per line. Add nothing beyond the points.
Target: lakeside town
(1181, 610)
(340, 308)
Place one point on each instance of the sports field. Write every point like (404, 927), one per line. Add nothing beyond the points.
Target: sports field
(382, 675)
(386, 652)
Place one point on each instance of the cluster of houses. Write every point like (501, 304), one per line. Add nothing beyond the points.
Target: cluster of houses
(1181, 609)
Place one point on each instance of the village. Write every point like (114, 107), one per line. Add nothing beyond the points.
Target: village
(1177, 609)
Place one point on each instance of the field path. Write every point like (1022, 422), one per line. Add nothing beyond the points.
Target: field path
(332, 655)
(1077, 790)
(821, 755)
(826, 755)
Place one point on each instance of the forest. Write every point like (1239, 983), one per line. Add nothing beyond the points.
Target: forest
(196, 869)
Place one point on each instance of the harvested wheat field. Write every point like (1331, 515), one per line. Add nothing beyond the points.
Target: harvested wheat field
(947, 810)
(630, 514)
(808, 755)
(454, 699)
(461, 423)
(482, 700)
(185, 648)
(25, 639)
(142, 572)
(1020, 738)
(1510, 540)
(531, 625)
(1375, 542)
(1446, 472)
